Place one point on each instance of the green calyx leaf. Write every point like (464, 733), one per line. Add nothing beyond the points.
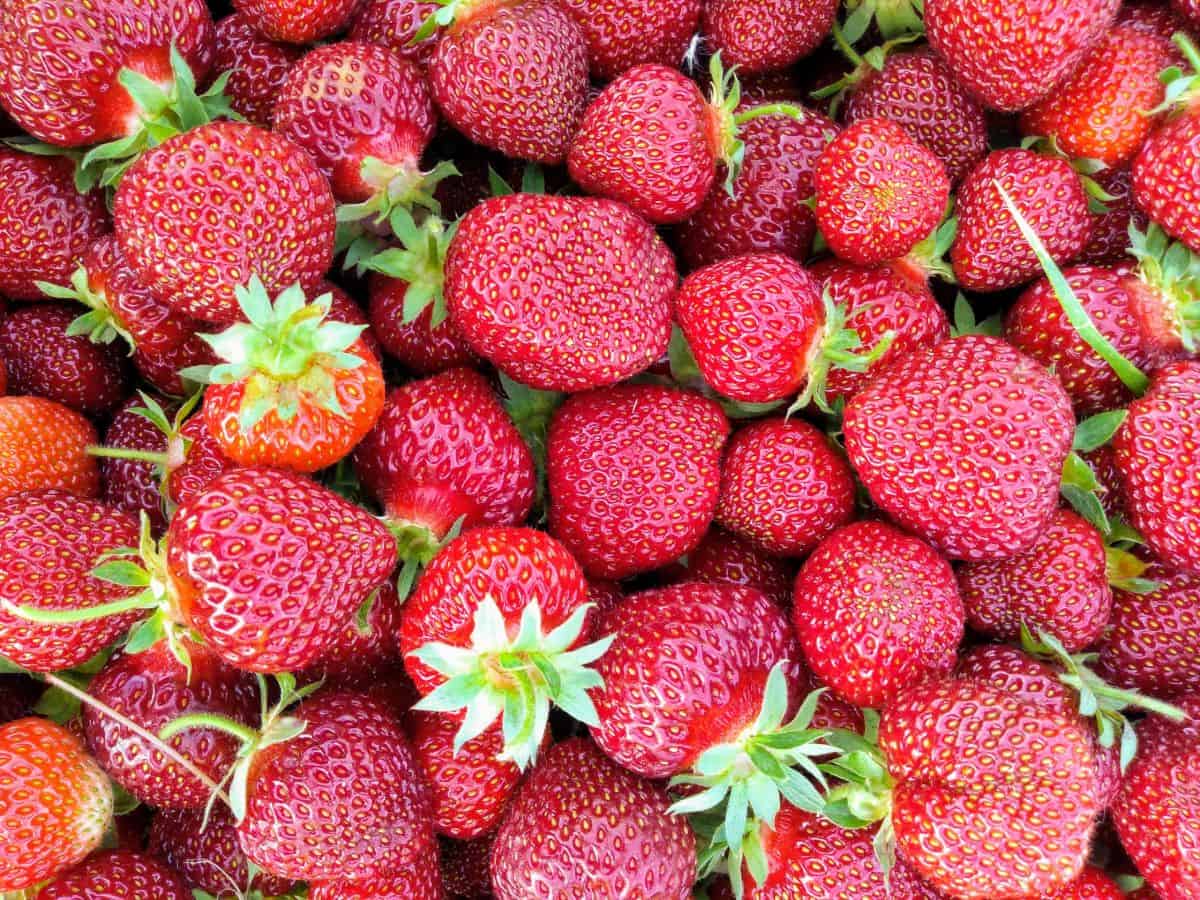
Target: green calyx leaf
(397, 187)
(100, 323)
(530, 410)
(726, 95)
(895, 19)
(417, 545)
(1171, 272)
(1080, 487)
(515, 679)
(1094, 432)
(419, 262)
(929, 256)
(965, 321)
(440, 18)
(1182, 87)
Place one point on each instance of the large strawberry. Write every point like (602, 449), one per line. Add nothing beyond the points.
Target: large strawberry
(117, 874)
(587, 288)
(256, 66)
(762, 35)
(44, 445)
(963, 444)
(621, 35)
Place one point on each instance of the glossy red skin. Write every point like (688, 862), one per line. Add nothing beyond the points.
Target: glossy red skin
(686, 672)
(55, 803)
(1109, 242)
(1009, 55)
(723, 557)
(201, 464)
(1158, 809)
(473, 76)
(205, 851)
(761, 35)
(1164, 186)
(49, 544)
(594, 305)
(258, 66)
(1099, 111)
(420, 880)
(343, 801)
(651, 141)
(783, 487)
(633, 473)
(116, 875)
(983, 481)
(1150, 644)
(620, 36)
(767, 212)
(1190, 10)
(298, 21)
(394, 24)
(1103, 463)
(513, 566)
(879, 192)
(350, 101)
(260, 191)
(879, 300)
(45, 224)
(1156, 456)
(624, 844)
(753, 323)
(44, 445)
(61, 83)
(1093, 884)
(466, 869)
(130, 484)
(223, 551)
(162, 370)
(877, 611)
(989, 253)
(367, 659)
(917, 91)
(418, 346)
(445, 448)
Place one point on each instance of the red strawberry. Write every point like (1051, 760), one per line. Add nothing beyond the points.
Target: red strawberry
(45, 224)
(133, 484)
(257, 67)
(588, 297)
(1092, 884)
(723, 557)
(989, 252)
(267, 212)
(1109, 242)
(162, 369)
(195, 460)
(783, 487)
(761, 35)
(633, 473)
(963, 444)
(226, 582)
(877, 611)
(394, 24)
(117, 874)
(1188, 9)
(55, 803)
(1155, 447)
(879, 192)
(621, 36)
(419, 345)
(420, 880)
(1011, 55)
(302, 22)
(466, 868)
(624, 841)
(44, 445)
(483, 65)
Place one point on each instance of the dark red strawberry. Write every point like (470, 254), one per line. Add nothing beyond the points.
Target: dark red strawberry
(194, 461)
(298, 21)
(44, 445)
(621, 36)
(418, 345)
(134, 484)
(116, 875)
(1109, 243)
(624, 841)
(783, 487)
(723, 557)
(394, 24)
(633, 474)
(588, 284)
(161, 369)
(761, 35)
(420, 880)
(1189, 10)
(466, 868)
(256, 66)
(18, 694)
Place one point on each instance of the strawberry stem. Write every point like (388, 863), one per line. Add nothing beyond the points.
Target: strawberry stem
(790, 110)
(150, 456)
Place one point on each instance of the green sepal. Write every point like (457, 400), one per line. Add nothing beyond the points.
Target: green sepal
(530, 410)
(1171, 271)
(60, 705)
(965, 321)
(1182, 87)
(850, 32)
(416, 546)
(419, 261)
(439, 18)
(893, 18)
(100, 323)
(1079, 486)
(1096, 431)
(929, 256)
(397, 187)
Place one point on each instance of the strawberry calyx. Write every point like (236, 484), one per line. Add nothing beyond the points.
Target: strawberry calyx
(455, 14)
(100, 323)
(514, 678)
(395, 186)
(928, 258)
(1182, 87)
(417, 544)
(531, 410)
(966, 322)
(419, 261)
(864, 64)
(1167, 294)
(893, 19)
(1079, 485)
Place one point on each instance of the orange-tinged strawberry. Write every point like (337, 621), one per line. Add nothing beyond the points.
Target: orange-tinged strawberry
(44, 445)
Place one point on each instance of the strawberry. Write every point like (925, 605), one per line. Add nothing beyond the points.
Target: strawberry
(623, 841)
(588, 302)
(302, 22)
(489, 54)
(723, 557)
(45, 224)
(989, 253)
(256, 66)
(621, 36)
(876, 611)
(1011, 55)
(55, 803)
(394, 24)
(1109, 243)
(267, 213)
(44, 445)
(1092, 884)
(879, 192)
(133, 484)
(963, 444)
(421, 880)
(761, 35)
(633, 473)
(194, 461)
(466, 870)
(117, 874)
(162, 369)
(783, 487)
(418, 345)
(1153, 448)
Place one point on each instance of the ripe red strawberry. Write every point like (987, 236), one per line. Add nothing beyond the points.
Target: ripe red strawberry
(879, 192)
(963, 444)
(623, 840)
(877, 611)
(134, 484)
(723, 557)
(420, 880)
(55, 803)
(588, 288)
(226, 582)
(257, 67)
(1155, 447)
(267, 213)
(633, 473)
(162, 369)
(783, 487)
(621, 36)
(1011, 55)
(302, 22)
(1059, 585)
(1189, 10)
(194, 461)
(1092, 884)
(44, 445)
(45, 224)
(762, 35)
(466, 868)
(1109, 243)
(115, 875)
(489, 55)
(394, 24)
(989, 252)
(419, 345)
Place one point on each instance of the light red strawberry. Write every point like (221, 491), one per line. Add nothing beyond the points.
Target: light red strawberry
(723, 557)
(421, 880)
(257, 67)
(394, 24)
(302, 22)
(116, 874)
(621, 36)
(762, 35)
(43, 445)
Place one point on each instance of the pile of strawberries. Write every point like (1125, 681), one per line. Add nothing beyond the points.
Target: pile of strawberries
(600, 450)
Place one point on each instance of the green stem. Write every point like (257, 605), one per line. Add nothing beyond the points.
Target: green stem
(1184, 43)
(243, 733)
(770, 109)
(72, 616)
(848, 51)
(150, 456)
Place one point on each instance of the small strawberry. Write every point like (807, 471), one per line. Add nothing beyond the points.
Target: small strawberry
(723, 557)
(256, 65)
(133, 484)
(115, 875)
(1109, 243)
(762, 35)
(55, 803)
(302, 22)
(621, 36)
(394, 24)
(417, 344)
(420, 880)
(194, 460)
(44, 445)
